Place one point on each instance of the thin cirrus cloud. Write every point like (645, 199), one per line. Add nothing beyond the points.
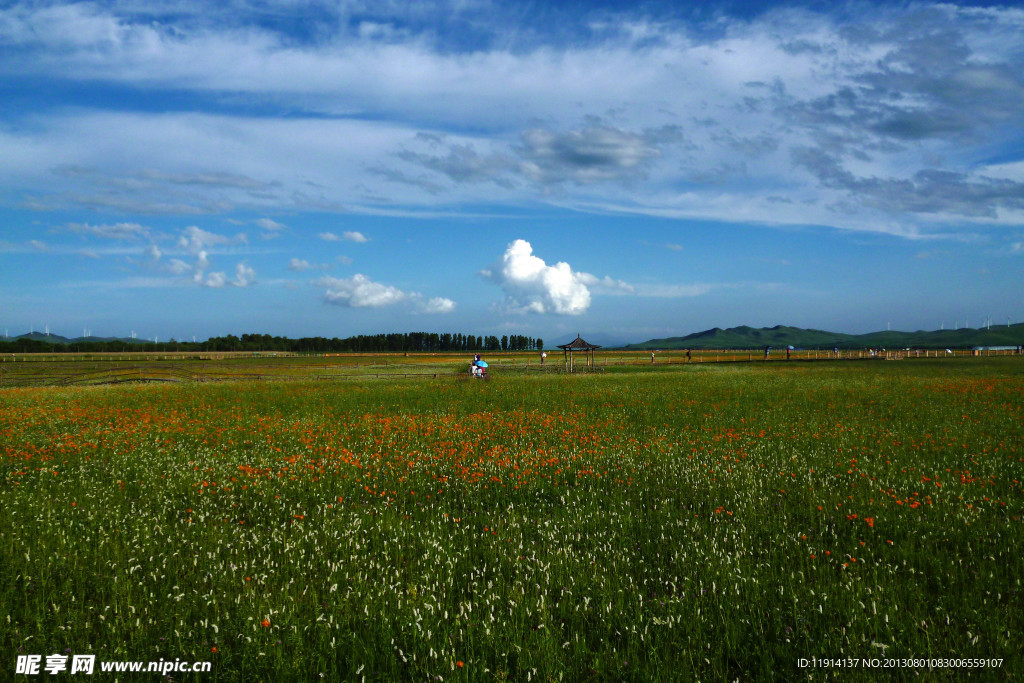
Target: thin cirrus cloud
(792, 116)
(120, 231)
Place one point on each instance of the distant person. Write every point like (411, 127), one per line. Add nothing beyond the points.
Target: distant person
(787, 354)
(652, 356)
(767, 350)
(543, 355)
(687, 355)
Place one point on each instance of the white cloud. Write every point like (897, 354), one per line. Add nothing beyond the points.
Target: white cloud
(533, 285)
(269, 225)
(347, 236)
(605, 285)
(787, 117)
(116, 231)
(202, 263)
(245, 275)
(178, 267)
(438, 305)
(213, 280)
(197, 240)
(359, 291)
(299, 265)
(197, 243)
(153, 252)
(38, 245)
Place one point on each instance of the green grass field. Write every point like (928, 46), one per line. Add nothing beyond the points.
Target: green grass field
(702, 521)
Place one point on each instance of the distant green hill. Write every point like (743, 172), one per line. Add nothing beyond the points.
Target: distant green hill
(781, 336)
(58, 339)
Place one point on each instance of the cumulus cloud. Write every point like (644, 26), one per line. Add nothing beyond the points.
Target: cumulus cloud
(299, 265)
(245, 275)
(213, 280)
(360, 291)
(196, 240)
(533, 285)
(197, 243)
(438, 305)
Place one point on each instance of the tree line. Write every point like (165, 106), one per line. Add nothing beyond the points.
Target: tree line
(403, 342)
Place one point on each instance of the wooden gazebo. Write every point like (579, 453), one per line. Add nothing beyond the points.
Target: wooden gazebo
(578, 344)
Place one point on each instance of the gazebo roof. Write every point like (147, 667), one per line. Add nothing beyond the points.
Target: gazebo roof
(579, 344)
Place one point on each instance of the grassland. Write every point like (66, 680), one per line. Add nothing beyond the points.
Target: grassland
(691, 521)
(87, 369)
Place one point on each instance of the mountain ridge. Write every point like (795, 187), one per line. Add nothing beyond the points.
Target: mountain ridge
(780, 336)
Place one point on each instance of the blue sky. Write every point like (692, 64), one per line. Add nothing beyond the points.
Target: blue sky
(621, 170)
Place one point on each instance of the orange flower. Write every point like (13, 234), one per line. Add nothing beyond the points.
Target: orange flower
(213, 649)
(460, 664)
(265, 623)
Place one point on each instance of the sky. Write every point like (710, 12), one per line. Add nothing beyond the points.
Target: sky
(619, 170)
